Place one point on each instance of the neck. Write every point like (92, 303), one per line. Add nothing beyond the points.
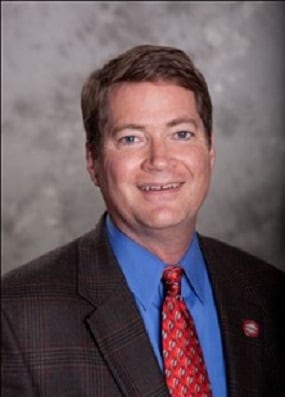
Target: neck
(169, 251)
(168, 245)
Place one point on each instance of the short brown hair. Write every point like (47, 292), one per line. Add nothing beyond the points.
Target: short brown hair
(141, 63)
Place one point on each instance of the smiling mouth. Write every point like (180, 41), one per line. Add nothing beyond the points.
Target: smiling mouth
(158, 188)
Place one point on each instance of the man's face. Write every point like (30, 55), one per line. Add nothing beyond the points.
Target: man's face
(155, 165)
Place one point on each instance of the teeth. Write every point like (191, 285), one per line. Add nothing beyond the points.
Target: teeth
(160, 187)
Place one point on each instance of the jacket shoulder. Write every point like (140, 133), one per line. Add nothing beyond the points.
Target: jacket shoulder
(217, 248)
(239, 264)
(56, 267)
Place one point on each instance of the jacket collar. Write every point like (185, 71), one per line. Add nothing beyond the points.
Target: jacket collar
(238, 306)
(114, 320)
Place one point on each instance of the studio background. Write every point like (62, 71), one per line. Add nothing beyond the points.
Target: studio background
(49, 48)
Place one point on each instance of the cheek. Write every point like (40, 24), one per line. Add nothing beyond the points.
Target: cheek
(117, 169)
(204, 166)
(198, 162)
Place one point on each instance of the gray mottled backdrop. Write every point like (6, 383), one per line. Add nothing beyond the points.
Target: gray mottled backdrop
(48, 48)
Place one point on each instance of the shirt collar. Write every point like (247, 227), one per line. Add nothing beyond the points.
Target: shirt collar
(195, 269)
(143, 270)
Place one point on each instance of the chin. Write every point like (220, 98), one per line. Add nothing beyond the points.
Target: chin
(164, 219)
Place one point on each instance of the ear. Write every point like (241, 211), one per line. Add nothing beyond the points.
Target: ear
(212, 152)
(91, 165)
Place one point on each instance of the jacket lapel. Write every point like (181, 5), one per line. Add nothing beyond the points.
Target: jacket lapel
(115, 322)
(241, 320)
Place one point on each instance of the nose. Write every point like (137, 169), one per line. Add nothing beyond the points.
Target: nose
(158, 156)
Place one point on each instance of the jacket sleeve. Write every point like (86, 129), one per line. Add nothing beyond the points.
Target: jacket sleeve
(16, 376)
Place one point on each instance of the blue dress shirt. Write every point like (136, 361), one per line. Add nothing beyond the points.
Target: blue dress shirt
(143, 271)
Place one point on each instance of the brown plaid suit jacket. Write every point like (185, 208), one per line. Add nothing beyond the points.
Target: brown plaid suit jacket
(71, 328)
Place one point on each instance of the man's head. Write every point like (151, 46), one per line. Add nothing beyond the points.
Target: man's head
(148, 118)
(143, 63)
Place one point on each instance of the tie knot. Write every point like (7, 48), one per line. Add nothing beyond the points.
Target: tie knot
(172, 279)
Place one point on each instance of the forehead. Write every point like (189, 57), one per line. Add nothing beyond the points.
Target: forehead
(151, 100)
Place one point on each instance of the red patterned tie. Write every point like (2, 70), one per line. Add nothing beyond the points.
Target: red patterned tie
(185, 370)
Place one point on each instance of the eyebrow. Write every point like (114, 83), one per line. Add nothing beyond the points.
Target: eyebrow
(130, 126)
(182, 120)
(139, 127)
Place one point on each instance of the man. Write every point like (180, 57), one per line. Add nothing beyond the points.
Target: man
(88, 319)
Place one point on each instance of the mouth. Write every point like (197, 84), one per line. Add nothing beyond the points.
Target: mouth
(154, 187)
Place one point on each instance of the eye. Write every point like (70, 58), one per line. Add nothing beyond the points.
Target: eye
(128, 139)
(183, 135)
